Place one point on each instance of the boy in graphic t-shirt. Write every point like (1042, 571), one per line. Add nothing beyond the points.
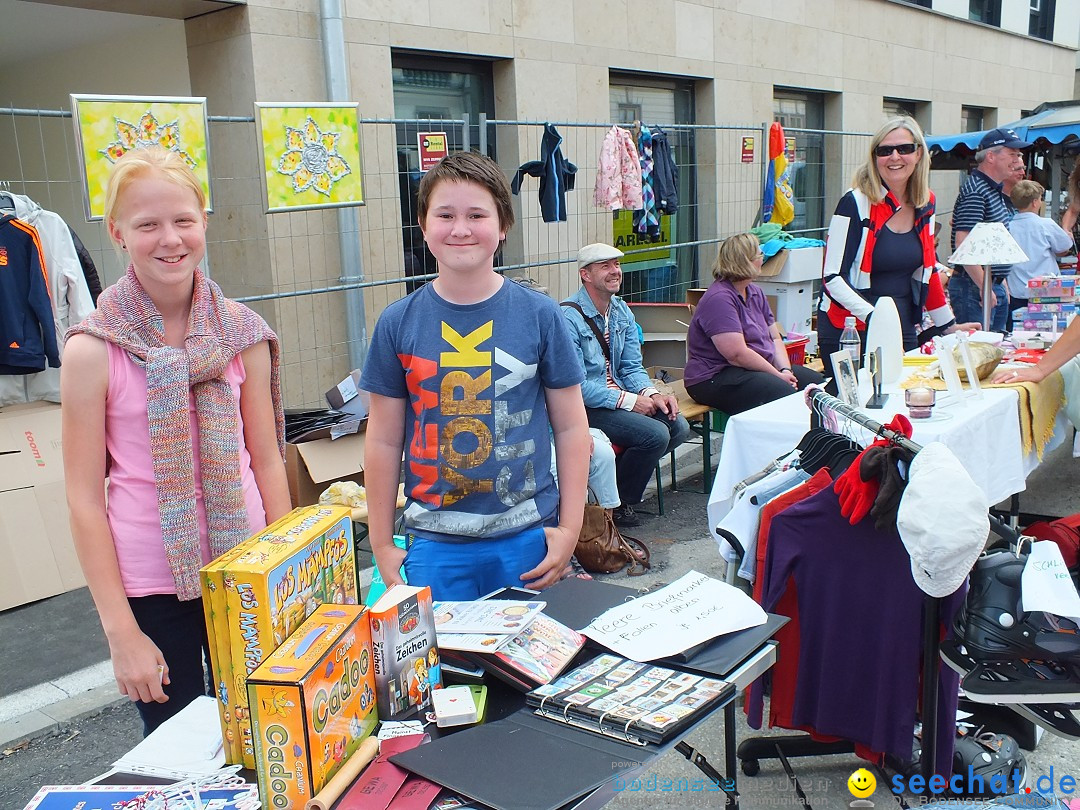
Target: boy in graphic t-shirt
(465, 376)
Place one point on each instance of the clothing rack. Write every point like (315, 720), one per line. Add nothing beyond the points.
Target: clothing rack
(782, 747)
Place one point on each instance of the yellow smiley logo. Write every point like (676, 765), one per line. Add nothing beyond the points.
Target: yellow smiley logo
(861, 783)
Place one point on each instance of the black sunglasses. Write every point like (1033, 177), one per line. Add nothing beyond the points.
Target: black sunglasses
(901, 148)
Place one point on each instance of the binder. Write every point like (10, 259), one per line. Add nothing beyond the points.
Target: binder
(629, 701)
(523, 762)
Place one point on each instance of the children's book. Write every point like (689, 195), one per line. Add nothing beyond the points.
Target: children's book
(534, 656)
(491, 616)
(629, 700)
(404, 656)
(108, 797)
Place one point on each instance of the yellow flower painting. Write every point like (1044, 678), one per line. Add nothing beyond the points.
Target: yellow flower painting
(108, 126)
(311, 156)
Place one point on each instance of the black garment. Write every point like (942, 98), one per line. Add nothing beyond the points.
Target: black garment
(179, 631)
(556, 175)
(665, 176)
(894, 256)
(90, 273)
(734, 389)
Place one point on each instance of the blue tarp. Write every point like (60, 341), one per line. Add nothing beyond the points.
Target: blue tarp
(1053, 124)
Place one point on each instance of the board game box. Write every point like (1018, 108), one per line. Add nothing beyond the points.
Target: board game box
(312, 703)
(261, 592)
(404, 655)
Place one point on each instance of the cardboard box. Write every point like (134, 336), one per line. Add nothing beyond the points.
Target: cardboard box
(37, 555)
(313, 466)
(312, 704)
(272, 582)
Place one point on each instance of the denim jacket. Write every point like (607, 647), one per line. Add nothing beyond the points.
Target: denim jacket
(625, 345)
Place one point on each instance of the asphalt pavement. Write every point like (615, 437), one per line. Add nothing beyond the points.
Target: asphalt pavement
(62, 721)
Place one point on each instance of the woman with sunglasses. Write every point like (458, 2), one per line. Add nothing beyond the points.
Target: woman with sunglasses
(887, 247)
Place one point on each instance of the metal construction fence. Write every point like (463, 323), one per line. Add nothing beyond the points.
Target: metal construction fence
(289, 265)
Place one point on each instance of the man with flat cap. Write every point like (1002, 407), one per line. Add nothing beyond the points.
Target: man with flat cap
(619, 397)
(981, 199)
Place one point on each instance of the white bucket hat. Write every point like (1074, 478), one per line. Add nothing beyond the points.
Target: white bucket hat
(942, 520)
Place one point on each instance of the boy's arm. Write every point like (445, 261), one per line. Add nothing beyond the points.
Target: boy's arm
(571, 430)
(382, 470)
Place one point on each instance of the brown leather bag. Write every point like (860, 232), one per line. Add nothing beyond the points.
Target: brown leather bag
(602, 549)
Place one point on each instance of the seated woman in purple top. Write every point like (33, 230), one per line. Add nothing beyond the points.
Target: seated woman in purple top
(736, 356)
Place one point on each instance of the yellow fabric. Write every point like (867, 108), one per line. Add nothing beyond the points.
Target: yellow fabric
(1038, 407)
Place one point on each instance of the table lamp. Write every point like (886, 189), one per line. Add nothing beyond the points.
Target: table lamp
(988, 243)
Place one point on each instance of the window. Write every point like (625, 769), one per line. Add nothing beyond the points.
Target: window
(971, 119)
(985, 11)
(654, 100)
(892, 107)
(797, 110)
(1041, 19)
(434, 94)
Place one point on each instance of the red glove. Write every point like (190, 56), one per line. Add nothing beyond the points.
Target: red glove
(857, 495)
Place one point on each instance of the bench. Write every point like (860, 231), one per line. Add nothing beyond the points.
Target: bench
(704, 421)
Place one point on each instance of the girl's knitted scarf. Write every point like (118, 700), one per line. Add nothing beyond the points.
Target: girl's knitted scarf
(218, 330)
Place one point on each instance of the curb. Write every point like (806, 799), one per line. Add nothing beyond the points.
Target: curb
(50, 719)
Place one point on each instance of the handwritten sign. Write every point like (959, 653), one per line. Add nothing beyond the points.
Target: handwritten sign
(690, 611)
(1045, 584)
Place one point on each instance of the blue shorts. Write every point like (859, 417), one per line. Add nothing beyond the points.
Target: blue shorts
(465, 571)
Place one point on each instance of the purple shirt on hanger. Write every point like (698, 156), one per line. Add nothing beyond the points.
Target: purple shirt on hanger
(860, 624)
(721, 309)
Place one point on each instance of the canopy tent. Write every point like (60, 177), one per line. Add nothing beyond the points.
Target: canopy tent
(1051, 124)
(1053, 129)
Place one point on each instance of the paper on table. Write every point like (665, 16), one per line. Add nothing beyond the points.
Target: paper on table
(1046, 584)
(690, 611)
(187, 744)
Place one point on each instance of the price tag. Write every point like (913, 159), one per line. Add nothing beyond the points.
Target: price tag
(1046, 585)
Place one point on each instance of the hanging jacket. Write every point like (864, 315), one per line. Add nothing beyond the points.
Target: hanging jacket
(618, 173)
(647, 218)
(556, 175)
(89, 269)
(27, 334)
(665, 173)
(67, 289)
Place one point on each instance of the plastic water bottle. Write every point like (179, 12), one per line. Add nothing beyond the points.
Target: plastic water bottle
(849, 341)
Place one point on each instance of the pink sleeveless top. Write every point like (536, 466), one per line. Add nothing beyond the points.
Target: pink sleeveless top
(132, 497)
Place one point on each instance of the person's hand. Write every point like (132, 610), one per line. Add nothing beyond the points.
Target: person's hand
(790, 378)
(388, 561)
(560, 547)
(592, 445)
(970, 326)
(666, 403)
(993, 298)
(644, 405)
(1010, 376)
(139, 667)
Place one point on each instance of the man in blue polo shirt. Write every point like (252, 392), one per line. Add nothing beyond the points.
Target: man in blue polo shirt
(981, 199)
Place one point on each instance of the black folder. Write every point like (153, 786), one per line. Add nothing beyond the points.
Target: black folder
(523, 762)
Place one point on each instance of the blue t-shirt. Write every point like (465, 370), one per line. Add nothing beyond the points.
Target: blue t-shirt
(477, 453)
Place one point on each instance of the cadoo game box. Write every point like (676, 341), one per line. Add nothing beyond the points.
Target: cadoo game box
(404, 656)
(312, 703)
(258, 594)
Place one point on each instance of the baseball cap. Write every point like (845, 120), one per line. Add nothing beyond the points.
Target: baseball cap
(1002, 137)
(597, 252)
(942, 520)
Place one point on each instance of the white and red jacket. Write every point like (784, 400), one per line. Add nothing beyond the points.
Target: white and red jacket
(849, 262)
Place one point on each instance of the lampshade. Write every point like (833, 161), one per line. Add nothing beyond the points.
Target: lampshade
(988, 243)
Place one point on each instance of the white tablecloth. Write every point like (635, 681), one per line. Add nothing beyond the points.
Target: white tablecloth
(983, 431)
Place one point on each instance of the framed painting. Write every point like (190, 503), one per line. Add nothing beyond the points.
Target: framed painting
(108, 126)
(310, 155)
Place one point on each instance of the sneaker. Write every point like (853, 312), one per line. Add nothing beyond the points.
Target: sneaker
(625, 517)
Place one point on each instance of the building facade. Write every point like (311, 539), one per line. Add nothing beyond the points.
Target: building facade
(490, 73)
